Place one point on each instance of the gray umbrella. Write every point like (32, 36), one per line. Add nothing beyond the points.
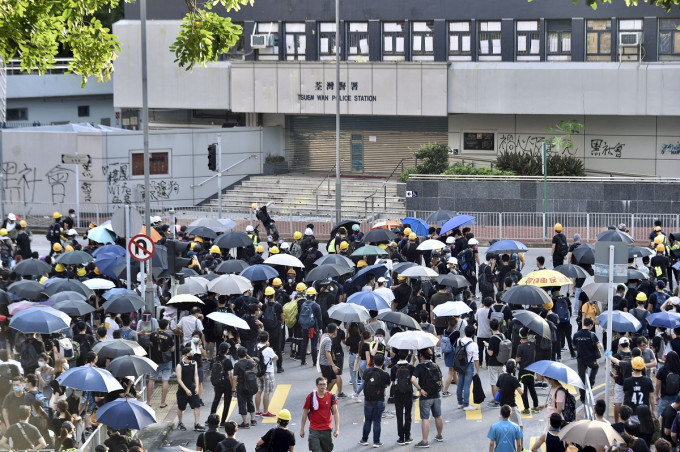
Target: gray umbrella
(534, 322)
(636, 274)
(399, 318)
(32, 267)
(572, 271)
(326, 271)
(118, 347)
(61, 285)
(232, 266)
(584, 254)
(526, 295)
(75, 308)
(614, 236)
(131, 365)
(440, 217)
(27, 289)
(455, 281)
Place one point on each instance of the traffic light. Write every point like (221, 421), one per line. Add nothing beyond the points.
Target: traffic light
(212, 157)
(176, 259)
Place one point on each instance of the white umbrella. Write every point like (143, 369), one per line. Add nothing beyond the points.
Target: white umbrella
(590, 432)
(430, 245)
(419, 272)
(348, 312)
(193, 285)
(230, 319)
(229, 285)
(451, 308)
(413, 340)
(99, 284)
(284, 259)
(185, 298)
(595, 291)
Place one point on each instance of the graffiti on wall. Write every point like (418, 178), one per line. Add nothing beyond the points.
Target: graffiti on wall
(57, 177)
(670, 148)
(86, 185)
(161, 190)
(20, 181)
(600, 148)
(517, 143)
(117, 176)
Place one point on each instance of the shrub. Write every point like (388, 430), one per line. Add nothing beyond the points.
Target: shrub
(433, 158)
(274, 159)
(531, 164)
(462, 169)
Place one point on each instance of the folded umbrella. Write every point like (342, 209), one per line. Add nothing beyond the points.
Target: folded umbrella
(664, 319)
(32, 267)
(399, 318)
(27, 289)
(413, 340)
(584, 254)
(131, 365)
(379, 235)
(86, 378)
(533, 322)
(369, 250)
(526, 295)
(233, 239)
(348, 312)
(40, 319)
(230, 285)
(419, 272)
(440, 217)
(326, 271)
(369, 300)
(202, 231)
(336, 259)
(99, 284)
(231, 266)
(590, 433)
(75, 308)
(456, 222)
(572, 271)
(507, 247)
(420, 227)
(124, 303)
(118, 347)
(557, 371)
(259, 272)
(451, 280)
(126, 413)
(545, 278)
(451, 309)
(193, 285)
(101, 234)
(284, 259)
(61, 284)
(227, 318)
(430, 245)
(622, 322)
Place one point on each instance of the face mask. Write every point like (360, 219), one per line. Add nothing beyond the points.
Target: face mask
(146, 317)
(17, 388)
(77, 393)
(290, 280)
(195, 340)
(73, 215)
(66, 367)
(41, 363)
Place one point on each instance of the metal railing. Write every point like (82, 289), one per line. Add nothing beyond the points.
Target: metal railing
(13, 67)
(327, 180)
(383, 187)
(634, 179)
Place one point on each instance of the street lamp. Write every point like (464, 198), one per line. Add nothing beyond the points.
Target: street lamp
(338, 182)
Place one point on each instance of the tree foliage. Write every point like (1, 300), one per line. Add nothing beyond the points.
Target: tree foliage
(665, 4)
(37, 31)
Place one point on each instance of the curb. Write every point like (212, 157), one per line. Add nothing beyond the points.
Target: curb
(154, 436)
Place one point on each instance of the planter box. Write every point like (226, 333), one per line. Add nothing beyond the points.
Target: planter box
(272, 169)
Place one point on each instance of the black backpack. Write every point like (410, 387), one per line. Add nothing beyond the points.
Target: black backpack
(485, 285)
(261, 366)
(672, 384)
(29, 356)
(433, 379)
(250, 381)
(460, 358)
(373, 387)
(269, 317)
(404, 385)
(217, 373)
(562, 247)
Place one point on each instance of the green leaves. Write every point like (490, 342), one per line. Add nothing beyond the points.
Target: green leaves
(665, 4)
(203, 36)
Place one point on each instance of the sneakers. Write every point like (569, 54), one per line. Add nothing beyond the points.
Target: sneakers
(422, 445)
(253, 422)
(199, 428)
(409, 440)
(439, 438)
(363, 442)
(446, 394)
(376, 445)
(401, 442)
(181, 426)
(258, 413)
(526, 412)
(342, 395)
(268, 414)
(493, 404)
(244, 425)
(354, 396)
(461, 406)
(535, 410)
(470, 408)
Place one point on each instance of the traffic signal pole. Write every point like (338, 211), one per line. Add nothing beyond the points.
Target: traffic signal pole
(219, 175)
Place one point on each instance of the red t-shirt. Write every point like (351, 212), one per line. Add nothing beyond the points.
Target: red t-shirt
(322, 418)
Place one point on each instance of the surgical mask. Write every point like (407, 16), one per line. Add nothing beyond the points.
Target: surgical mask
(73, 215)
(195, 340)
(17, 388)
(290, 280)
(41, 363)
(66, 366)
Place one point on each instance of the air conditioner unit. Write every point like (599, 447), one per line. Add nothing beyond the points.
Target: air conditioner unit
(262, 41)
(630, 38)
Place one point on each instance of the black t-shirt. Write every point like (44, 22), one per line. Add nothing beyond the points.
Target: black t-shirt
(24, 245)
(557, 240)
(281, 439)
(240, 368)
(12, 404)
(210, 440)
(585, 343)
(336, 344)
(230, 444)
(661, 375)
(19, 440)
(636, 391)
(624, 366)
(662, 263)
(619, 303)
(507, 384)
(667, 417)
(494, 346)
(419, 372)
(364, 348)
(402, 294)
(352, 343)
(527, 354)
(377, 373)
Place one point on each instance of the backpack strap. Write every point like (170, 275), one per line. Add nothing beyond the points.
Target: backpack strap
(23, 433)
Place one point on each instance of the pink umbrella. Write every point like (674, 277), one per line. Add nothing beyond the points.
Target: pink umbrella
(22, 305)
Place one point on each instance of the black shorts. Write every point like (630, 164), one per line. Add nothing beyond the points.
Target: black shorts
(327, 373)
(339, 361)
(183, 399)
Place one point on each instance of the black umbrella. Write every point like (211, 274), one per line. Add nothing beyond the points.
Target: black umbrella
(160, 258)
(335, 259)
(118, 347)
(131, 365)
(74, 258)
(615, 236)
(202, 231)
(526, 295)
(32, 267)
(326, 271)
(379, 235)
(74, 308)
(401, 266)
(67, 295)
(584, 254)
(188, 272)
(440, 217)
(636, 274)
(534, 322)
(399, 318)
(451, 280)
(232, 266)
(68, 284)
(4, 298)
(572, 271)
(639, 251)
(124, 303)
(233, 239)
(27, 289)
(347, 224)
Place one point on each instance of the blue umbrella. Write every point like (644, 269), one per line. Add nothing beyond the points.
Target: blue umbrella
(107, 263)
(507, 247)
(456, 222)
(126, 413)
(557, 371)
(38, 319)
(86, 378)
(259, 272)
(116, 250)
(361, 277)
(622, 322)
(417, 225)
(369, 300)
(664, 319)
(101, 235)
(117, 291)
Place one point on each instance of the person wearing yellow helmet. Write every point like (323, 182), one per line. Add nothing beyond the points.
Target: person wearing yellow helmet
(560, 246)
(267, 221)
(309, 320)
(272, 321)
(361, 264)
(297, 235)
(215, 250)
(68, 248)
(53, 233)
(257, 258)
(57, 248)
(295, 249)
(279, 435)
(345, 248)
(660, 264)
(23, 241)
(274, 250)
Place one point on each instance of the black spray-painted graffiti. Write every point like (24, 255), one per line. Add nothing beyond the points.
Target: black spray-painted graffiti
(515, 143)
(86, 189)
(161, 190)
(19, 182)
(671, 148)
(600, 148)
(57, 177)
(117, 175)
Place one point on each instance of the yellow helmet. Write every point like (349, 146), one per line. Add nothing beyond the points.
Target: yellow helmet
(56, 215)
(407, 231)
(301, 287)
(383, 246)
(198, 239)
(549, 305)
(657, 228)
(215, 250)
(23, 223)
(641, 296)
(558, 227)
(276, 282)
(297, 236)
(660, 247)
(59, 268)
(658, 239)
(412, 236)
(361, 264)
(274, 250)
(68, 248)
(284, 415)
(57, 247)
(259, 249)
(43, 279)
(82, 271)
(269, 291)
(3, 232)
(254, 206)
(311, 291)
(344, 245)
(97, 271)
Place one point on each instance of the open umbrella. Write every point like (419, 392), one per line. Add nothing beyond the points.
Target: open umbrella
(126, 413)
(622, 322)
(348, 312)
(61, 285)
(347, 224)
(590, 433)
(124, 303)
(614, 235)
(451, 280)
(185, 298)
(419, 272)
(507, 247)
(231, 266)
(431, 244)
(67, 295)
(369, 300)
(417, 225)
(230, 285)
(210, 223)
(210, 276)
(38, 319)
(99, 284)
(572, 271)
(456, 222)
(533, 322)
(107, 263)
(188, 272)
(118, 347)
(526, 295)
(379, 235)
(115, 250)
(101, 234)
(584, 254)
(5, 299)
(19, 306)
(32, 267)
(639, 251)
(595, 291)
(202, 231)
(369, 250)
(401, 266)
(326, 271)
(664, 319)
(335, 259)
(360, 278)
(27, 289)
(413, 340)
(259, 272)
(233, 239)
(193, 285)
(451, 309)
(386, 224)
(131, 365)
(545, 278)
(286, 260)
(154, 234)
(117, 291)
(74, 258)
(86, 378)
(440, 217)
(557, 371)
(636, 274)
(230, 319)
(75, 308)
(399, 318)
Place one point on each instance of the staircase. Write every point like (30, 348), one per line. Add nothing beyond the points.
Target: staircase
(314, 195)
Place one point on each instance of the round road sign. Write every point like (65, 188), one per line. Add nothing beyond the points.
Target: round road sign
(141, 247)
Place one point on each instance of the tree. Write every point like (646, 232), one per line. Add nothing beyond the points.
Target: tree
(36, 32)
(666, 4)
(566, 130)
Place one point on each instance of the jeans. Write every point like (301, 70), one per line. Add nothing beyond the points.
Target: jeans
(352, 374)
(577, 294)
(372, 415)
(362, 368)
(594, 366)
(303, 346)
(219, 392)
(403, 404)
(464, 383)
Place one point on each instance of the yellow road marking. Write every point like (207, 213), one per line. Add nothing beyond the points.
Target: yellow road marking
(520, 404)
(231, 409)
(476, 414)
(276, 403)
(534, 440)
(417, 407)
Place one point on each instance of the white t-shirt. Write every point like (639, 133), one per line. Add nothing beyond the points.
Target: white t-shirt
(111, 326)
(268, 355)
(189, 324)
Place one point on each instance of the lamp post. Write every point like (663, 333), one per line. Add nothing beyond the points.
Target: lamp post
(338, 182)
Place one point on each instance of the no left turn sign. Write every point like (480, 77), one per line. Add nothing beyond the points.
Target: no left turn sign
(141, 247)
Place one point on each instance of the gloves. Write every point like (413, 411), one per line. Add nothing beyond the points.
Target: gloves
(608, 353)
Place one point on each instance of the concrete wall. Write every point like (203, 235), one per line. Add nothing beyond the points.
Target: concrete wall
(46, 111)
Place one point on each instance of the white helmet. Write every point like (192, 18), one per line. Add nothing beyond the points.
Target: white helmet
(473, 242)
(249, 228)
(449, 240)
(452, 260)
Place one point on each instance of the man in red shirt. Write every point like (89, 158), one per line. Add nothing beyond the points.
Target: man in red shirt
(318, 408)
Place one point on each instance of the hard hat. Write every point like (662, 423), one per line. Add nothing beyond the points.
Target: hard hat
(638, 363)
(71, 232)
(301, 287)
(259, 249)
(215, 250)
(641, 296)
(59, 268)
(82, 271)
(558, 227)
(407, 231)
(43, 279)
(3, 232)
(657, 228)
(412, 236)
(473, 242)
(356, 227)
(57, 247)
(297, 235)
(97, 271)
(11, 217)
(253, 206)
(56, 215)
(277, 282)
(450, 240)
(549, 305)
(309, 231)
(660, 247)
(198, 239)
(344, 245)
(284, 246)
(658, 239)
(361, 264)
(401, 278)
(393, 244)
(383, 246)
(249, 228)
(274, 250)
(452, 260)
(269, 291)
(291, 272)
(284, 415)
(68, 248)
(91, 225)
(311, 291)
(23, 223)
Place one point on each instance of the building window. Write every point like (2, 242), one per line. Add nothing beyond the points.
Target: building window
(490, 41)
(83, 111)
(296, 41)
(460, 41)
(327, 41)
(599, 40)
(357, 41)
(237, 52)
(158, 163)
(558, 40)
(528, 44)
(271, 50)
(393, 41)
(669, 39)
(629, 40)
(17, 114)
(476, 141)
(422, 41)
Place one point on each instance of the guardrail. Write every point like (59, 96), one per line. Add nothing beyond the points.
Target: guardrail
(641, 179)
